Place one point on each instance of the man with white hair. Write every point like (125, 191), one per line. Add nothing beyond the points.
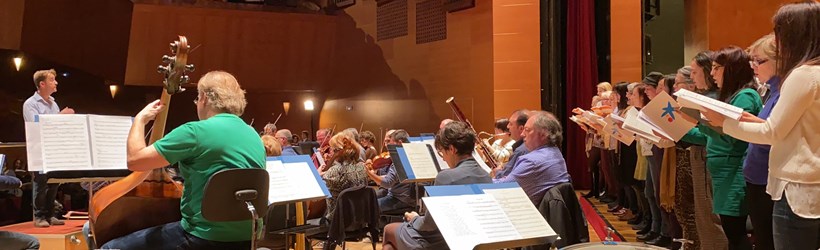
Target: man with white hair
(544, 167)
(284, 135)
(201, 148)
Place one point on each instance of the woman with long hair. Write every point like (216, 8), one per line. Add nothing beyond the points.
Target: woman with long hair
(725, 154)
(794, 161)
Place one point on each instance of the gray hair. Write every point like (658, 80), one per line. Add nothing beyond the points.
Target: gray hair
(545, 122)
(686, 72)
(284, 133)
(352, 133)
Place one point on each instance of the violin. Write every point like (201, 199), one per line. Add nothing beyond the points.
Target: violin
(380, 161)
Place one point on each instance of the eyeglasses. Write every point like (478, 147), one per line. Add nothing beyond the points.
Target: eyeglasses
(440, 152)
(758, 62)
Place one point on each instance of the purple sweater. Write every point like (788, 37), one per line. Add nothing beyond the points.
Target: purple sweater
(756, 165)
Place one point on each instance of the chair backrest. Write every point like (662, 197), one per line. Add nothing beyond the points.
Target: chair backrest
(357, 210)
(221, 201)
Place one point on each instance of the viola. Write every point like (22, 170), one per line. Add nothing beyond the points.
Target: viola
(380, 161)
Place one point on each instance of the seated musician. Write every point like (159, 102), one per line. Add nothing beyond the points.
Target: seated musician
(455, 143)
(347, 170)
(516, 127)
(544, 166)
(14, 240)
(502, 147)
(368, 140)
(399, 195)
(284, 136)
(272, 146)
(201, 148)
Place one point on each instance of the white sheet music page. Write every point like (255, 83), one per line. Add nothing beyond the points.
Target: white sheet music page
(34, 147)
(418, 155)
(443, 164)
(66, 145)
(481, 162)
(694, 100)
(108, 141)
(291, 181)
(522, 213)
(468, 220)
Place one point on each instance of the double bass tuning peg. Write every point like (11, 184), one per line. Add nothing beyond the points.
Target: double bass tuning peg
(167, 59)
(174, 47)
(162, 69)
(190, 68)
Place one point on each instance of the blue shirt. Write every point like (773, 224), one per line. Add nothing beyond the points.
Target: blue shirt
(288, 150)
(538, 171)
(518, 150)
(36, 105)
(401, 191)
(756, 165)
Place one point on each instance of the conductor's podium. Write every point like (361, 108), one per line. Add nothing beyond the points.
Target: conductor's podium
(65, 237)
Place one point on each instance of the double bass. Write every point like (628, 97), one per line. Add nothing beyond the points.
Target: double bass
(144, 199)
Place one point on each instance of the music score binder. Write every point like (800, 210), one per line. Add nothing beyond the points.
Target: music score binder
(293, 179)
(487, 216)
(417, 171)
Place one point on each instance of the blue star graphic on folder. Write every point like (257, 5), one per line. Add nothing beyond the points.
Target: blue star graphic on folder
(669, 110)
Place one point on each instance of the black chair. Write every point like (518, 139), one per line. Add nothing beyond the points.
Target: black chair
(356, 216)
(230, 194)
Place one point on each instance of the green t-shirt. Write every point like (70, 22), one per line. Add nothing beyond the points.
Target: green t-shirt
(203, 148)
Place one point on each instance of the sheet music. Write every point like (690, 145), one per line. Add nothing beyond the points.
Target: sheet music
(519, 209)
(481, 162)
(34, 147)
(616, 131)
(319, 158)
(616, 117)
(468, 220)
(291, 181)
(640, 128)
(421, 162)
(65, 141)
(655, 128)
(443, 164)
(109, 135)
(694, 100)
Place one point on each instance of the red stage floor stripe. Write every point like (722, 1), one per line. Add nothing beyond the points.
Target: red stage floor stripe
(596, 221)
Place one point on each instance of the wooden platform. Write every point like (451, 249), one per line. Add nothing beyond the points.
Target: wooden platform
(65, 237)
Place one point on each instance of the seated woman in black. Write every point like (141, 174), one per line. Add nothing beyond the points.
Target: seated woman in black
(455, 143)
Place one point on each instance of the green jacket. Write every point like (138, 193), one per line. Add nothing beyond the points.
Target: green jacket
(719, 144)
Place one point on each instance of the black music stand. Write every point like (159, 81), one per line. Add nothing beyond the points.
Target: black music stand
(231, 193)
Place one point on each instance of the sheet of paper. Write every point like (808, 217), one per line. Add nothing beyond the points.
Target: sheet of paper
(662, 114)
(108, 141)
(697, 101)
(291, 182)
(640, 128)
(481, 162)
(522, 213)
(443, 164)
(616, 131)
(34, 147)
(66, 145)
(657, 130)
(468, 220)
(421, 162)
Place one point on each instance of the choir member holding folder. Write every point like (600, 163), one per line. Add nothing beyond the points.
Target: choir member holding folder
(455, 143)
(792, 130)
(724, 157)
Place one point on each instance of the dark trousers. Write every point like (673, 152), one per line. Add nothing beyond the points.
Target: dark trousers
(170, 236)
(594, 169)
(760, 211)
(791, 231)
(44, 195)
(735, 229)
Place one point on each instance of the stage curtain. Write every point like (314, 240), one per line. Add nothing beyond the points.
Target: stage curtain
(581, 78)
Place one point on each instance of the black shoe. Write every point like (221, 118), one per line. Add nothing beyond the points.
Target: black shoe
(662, 241)
(646, 229)
(648, 237)
(589, 195)
(675, 246)
(637, 220)
(606, 199)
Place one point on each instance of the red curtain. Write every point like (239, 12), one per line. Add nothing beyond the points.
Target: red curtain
(581, 78)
